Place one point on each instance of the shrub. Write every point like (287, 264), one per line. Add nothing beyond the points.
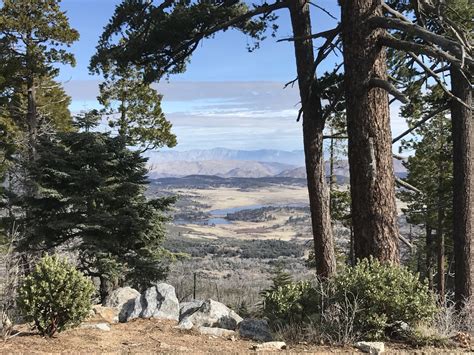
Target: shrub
(55, 296)
(384, 294)
(289, 303)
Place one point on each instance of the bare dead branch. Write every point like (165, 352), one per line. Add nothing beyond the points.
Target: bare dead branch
(420, 123)
(335, 136)
(417, 31)
(292, 82)
(395, 43)
(323, 10)
(431, 73)
(406, 185)
(405, 241)
(389, 87)
(324, 34)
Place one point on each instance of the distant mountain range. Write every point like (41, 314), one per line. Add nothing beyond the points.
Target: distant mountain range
(295, 158)
(229, 163)
(222, 168)
(341, 169)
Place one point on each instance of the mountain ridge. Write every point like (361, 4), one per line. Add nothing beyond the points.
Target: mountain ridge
(228, 163)
(295, 157)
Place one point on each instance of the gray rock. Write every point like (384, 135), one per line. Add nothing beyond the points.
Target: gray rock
(124, 300)
(399, 330)
(120, 296)
(255, 329)
(371, 347)
(213, 314)
(271, 345)
(218, 332)
(100, 326)
(187, 308)
(186, 324)
(158, 301)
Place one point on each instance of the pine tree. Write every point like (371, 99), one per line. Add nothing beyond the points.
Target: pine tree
(431, 171)
(34, 34)
(133, 108)
(91, 200)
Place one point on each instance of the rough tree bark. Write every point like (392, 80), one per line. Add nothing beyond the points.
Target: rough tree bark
(374, 213)
(429, 255)
(441, 272)
(313, 126)
(463, 201)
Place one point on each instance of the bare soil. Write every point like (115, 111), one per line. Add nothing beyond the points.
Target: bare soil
(155, 336)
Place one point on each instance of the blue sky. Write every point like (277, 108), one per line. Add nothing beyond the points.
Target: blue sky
(228, 97)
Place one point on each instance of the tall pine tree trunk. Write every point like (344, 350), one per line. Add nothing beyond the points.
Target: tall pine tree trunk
(429, 255)
(313, 125)
(440, 279)
(374, 213)
(32, 114)
(463, 201)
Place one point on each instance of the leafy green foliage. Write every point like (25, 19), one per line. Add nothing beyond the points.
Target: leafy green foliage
(55, 296)
(288, 302)
(384, 294)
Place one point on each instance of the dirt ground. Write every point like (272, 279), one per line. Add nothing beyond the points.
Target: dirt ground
(153, 336)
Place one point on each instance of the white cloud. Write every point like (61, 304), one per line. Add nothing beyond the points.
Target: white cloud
(238, 115)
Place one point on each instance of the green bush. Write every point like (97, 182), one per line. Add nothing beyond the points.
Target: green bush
(384, 294)
(55, 296)
(289, 303)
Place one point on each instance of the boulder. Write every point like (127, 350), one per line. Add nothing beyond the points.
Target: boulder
(218, 332)
(158, 302)
(213, 314)
(255, 329)
(371, 347)
(187, 308)
(124, 300)
(120, 296)
(184, 325)
(103, 314)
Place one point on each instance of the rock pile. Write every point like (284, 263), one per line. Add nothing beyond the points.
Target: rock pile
(160, 302)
